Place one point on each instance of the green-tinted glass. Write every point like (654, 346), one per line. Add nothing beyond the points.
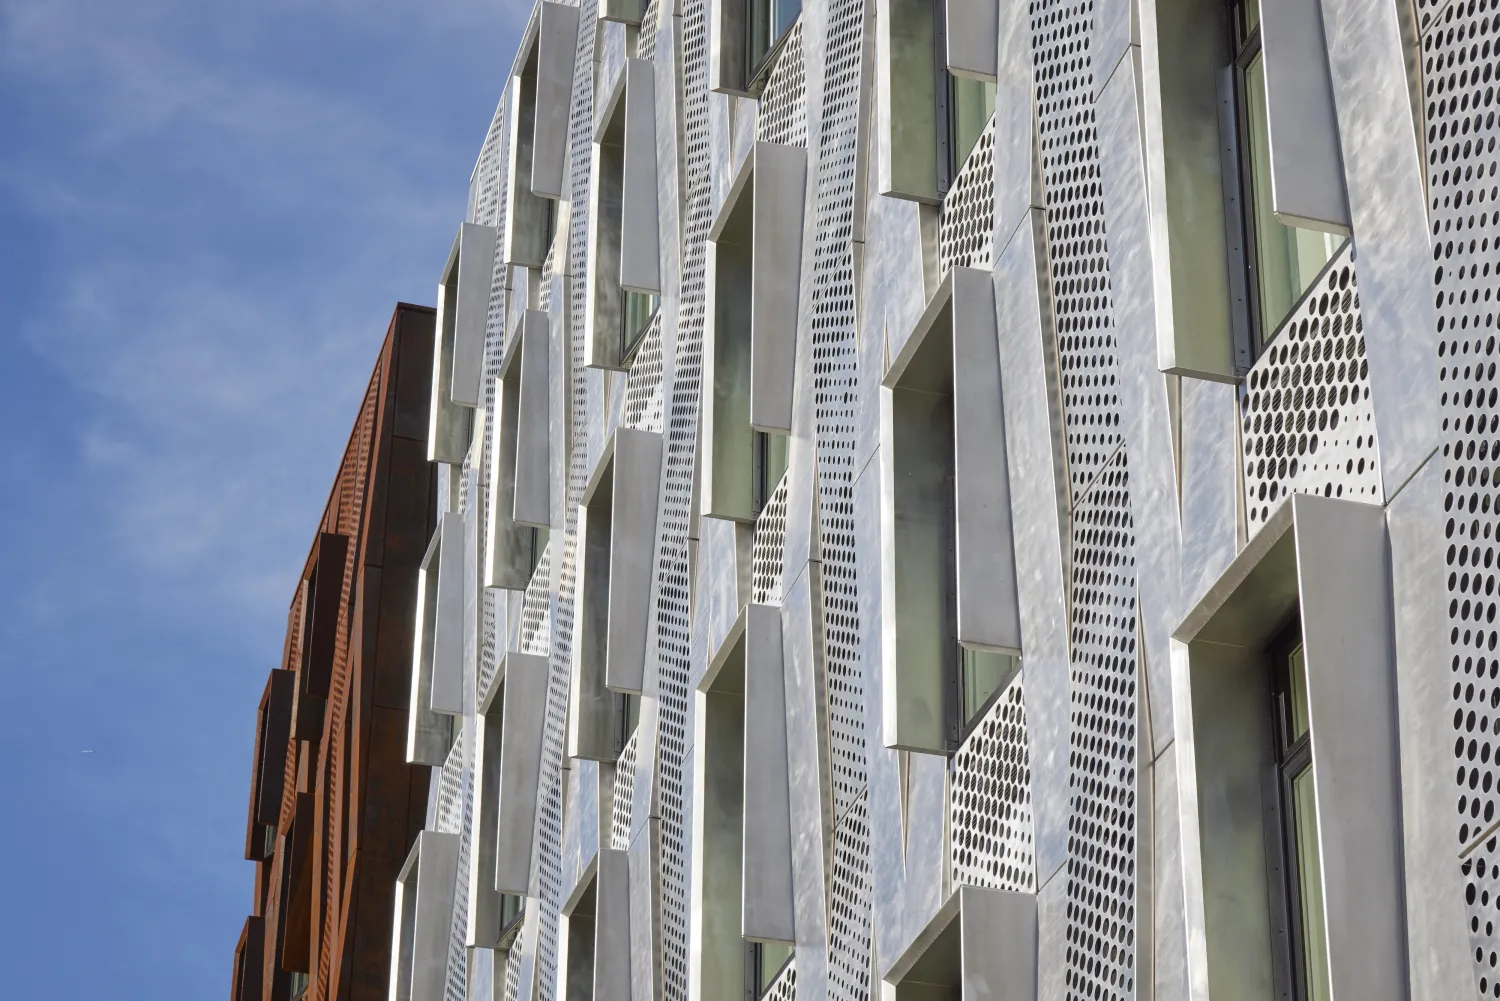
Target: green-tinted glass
(1250, 16)
(758, 14)
(787, 12)
(776, 446)
(1310, 872)
(984, 673)
(971, 105)
(636, 311)
(1297, 689)
(772, 956)
(510, 908)
(1288, 259)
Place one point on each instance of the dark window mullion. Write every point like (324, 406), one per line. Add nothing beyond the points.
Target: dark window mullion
(1246, 52)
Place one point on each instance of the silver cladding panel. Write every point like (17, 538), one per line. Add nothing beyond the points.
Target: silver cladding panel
(966, 235)
(990, 805)
(1307, 423)
(1467, 253)
(1043, 795)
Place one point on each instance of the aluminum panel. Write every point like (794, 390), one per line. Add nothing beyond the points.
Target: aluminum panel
(484, 916)
(780, 184)
(637, 480)
(1307, 165)
(1441, 963)
(640, 255)
(767, 900)
(972, 27)
(1035, 451)
(436, 880)
(988, 614)
(527, 231)
(523, 718)
(447, 692)
(1397, 242)
(1343, 571)
(428, 734)
(471, 269)
(612, 927)
(533, 440)
(998, 942)
(556, 51)
(906, 139)
(1179, 83)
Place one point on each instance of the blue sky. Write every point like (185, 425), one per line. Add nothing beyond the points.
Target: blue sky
(207, 212)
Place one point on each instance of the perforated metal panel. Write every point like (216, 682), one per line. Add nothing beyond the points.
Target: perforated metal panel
(455, 987)
(783, 103)
(966, 233)
(1458, 63)
(536, 609)
(1069, 138)
(785, 987)
(645, 401)
(513, 966)
(1306, 418)
(555, 640)
(1103, 712)
(767, 550)
(488, 199)
(990, 806)
(835, 394)
(1103, 704)
(674, 612)
(645, 46)
(849, 911)
(624, 794)
(450, 808)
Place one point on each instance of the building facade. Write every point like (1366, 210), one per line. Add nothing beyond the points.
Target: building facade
(334, 805)
(966, 499)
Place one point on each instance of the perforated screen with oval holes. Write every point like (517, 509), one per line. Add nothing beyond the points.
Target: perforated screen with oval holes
(674, 611)
(1305, 414)
(1458, 65)
(645, 45)
(644, 400)
(783, 104)
(990, 803)
(849, 910)
(555, 637)
(1102, 779)
(767, 555)
(966, 234)
(835, 393)
(624, 793)
(1069, 138)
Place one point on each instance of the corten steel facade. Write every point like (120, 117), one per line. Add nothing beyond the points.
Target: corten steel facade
(967, 498)
(334, 805)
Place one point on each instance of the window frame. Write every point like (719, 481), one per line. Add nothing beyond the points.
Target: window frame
(1292, 757)
(758, 69)
(1245, 47)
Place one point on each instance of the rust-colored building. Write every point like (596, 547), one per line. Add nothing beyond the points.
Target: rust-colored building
(334, 807)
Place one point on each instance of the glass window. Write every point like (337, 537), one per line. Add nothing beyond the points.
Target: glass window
(983, 675)
(971, 104)
(510, 909)
(1299, 819)
(627, 716)
(770, 465)
(636, 311)
(767, 22)
(1284, 260)
(764, 963)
